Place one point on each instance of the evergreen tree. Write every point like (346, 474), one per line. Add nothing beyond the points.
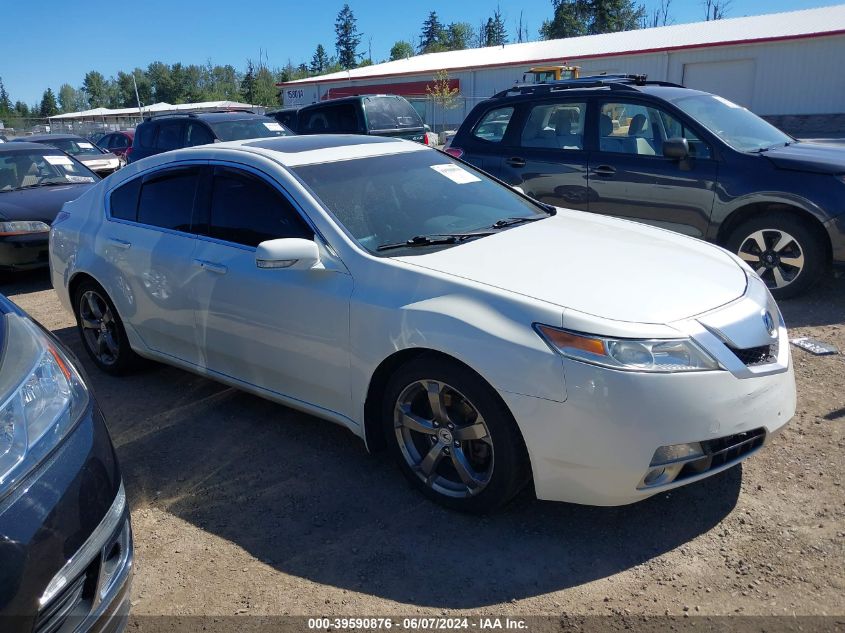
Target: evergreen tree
(95, 88)
(320, 61)
(248, 83)
(401, 50)
(458, 36)
(5, 102)
(348, 38)
(495, 33)
(48, 107)
(431, 37)
(21, 109)
(612, 16)
(71, 99)
(571, 18)
(587, 17)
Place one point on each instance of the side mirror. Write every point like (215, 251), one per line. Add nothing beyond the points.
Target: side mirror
(290, 252)
(677, 148)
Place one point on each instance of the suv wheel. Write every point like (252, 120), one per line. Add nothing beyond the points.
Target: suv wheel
(452, 436)
(783, 250)
(101, 330)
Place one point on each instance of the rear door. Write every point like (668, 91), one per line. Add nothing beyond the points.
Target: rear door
(630, 178)
(486, 145)
(546, 154)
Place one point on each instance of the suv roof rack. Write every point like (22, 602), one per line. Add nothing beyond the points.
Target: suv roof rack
(193, 115)
(611, 82)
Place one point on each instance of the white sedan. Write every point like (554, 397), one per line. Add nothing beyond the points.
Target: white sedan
(484, 338)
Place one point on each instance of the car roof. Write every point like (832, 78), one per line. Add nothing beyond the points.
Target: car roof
(37, 138)
(211, 117)
(350, 99)
(22, 146)
(622, 89)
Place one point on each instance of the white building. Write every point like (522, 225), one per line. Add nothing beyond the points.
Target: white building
(778, 65)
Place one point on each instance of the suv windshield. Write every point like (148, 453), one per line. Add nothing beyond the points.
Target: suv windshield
(26, 170)
(390, 113)
(393, 199)
(736, 126)
(255, 127)
(75, 147)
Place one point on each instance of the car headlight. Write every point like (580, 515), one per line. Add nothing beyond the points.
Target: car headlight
(22, 227)
(41, 396)
(648, 355)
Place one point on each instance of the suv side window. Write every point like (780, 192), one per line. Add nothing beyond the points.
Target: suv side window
(493, 125)
(169, 135)
(246, 210)
(146, 134)
(167, 198)
(558, 125)
(336, 119)
(198, 134)
(636, 128)
(118, 141)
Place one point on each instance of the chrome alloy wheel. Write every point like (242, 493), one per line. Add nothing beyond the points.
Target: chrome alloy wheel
(775, 255)
(443, 438)
(98, 327)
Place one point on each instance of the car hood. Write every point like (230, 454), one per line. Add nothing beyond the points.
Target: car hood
(620, 270)
(40, 203)
(89, 159)
(812, 157)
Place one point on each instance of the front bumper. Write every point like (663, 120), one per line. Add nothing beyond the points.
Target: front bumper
(66, 550)
(24, 252)
(596, 447)
(836, 232)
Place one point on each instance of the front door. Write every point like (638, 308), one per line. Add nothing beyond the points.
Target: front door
(630, 178)
(284, 331)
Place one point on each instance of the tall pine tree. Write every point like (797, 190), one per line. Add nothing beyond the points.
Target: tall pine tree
(348, 38)
(320, 61)
(431, 37)
(495, 33)
(48, 107)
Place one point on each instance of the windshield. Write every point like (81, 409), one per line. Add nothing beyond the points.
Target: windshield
(736, 126)
(391, 113)
(26, 170)
(256, 127)
(392, 199)
(75, 147)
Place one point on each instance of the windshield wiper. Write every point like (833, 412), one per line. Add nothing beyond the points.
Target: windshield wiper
(505, 222)
(433, 240)
(41, 184)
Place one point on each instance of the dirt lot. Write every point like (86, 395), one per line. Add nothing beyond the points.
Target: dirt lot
(241, 506)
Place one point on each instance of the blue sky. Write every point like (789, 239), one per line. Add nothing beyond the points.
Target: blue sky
(63, 43)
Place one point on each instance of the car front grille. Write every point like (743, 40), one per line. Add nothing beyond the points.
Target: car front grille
(752, 356)
(66, 609)
(723, 450)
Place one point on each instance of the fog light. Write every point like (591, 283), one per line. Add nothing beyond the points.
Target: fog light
(676, 452)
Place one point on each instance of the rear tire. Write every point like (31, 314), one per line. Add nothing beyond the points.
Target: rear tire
(452, 436)
(787, 254)
(101, 330)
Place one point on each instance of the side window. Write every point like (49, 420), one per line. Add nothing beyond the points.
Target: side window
(167, 198)
(198, 134)
(123, 201)
(555, 126)
(634, 128)
(492, 127)
(146, 134)
(246, 210)
(675, 129)
(118, 141)
(317, 123)
(169, 136)
(340, 119)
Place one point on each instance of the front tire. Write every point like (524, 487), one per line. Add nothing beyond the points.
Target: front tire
(101, 330)
(452, 436)
(783, 250)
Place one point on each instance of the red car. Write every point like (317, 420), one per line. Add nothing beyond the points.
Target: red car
(118, 143)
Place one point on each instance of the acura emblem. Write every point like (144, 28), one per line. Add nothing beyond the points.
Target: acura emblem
(769, 322)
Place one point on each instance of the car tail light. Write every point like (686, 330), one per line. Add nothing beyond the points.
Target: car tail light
(425, 139)
(454, 151)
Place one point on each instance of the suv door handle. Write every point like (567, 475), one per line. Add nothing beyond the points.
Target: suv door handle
(120, 243)
(604, 170)
(515, 161)
(211, 267)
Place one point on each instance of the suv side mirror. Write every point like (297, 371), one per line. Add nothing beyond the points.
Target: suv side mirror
(677, 148)
(289, 252)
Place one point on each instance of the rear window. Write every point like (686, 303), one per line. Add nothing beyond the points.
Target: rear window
(391, 113)
(123, 202)
(335, 119)
(255, 127)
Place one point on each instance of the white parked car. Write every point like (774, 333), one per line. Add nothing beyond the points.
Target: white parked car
(484, 338)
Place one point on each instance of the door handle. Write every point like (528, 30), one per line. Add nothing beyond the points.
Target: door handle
(211, 267)
(120, 243)
(604, 170)
(516, 161)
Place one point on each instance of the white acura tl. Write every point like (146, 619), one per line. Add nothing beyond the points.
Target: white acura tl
(484, 338)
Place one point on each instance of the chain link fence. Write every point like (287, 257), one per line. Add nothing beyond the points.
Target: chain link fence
(92, 128)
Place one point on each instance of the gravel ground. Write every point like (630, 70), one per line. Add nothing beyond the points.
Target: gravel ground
(241, 506)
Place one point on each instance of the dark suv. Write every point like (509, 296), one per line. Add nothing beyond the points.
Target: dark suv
(379, 115)
(677, 158)
(174, 131)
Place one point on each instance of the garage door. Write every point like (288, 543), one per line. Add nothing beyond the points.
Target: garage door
(733, 80)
